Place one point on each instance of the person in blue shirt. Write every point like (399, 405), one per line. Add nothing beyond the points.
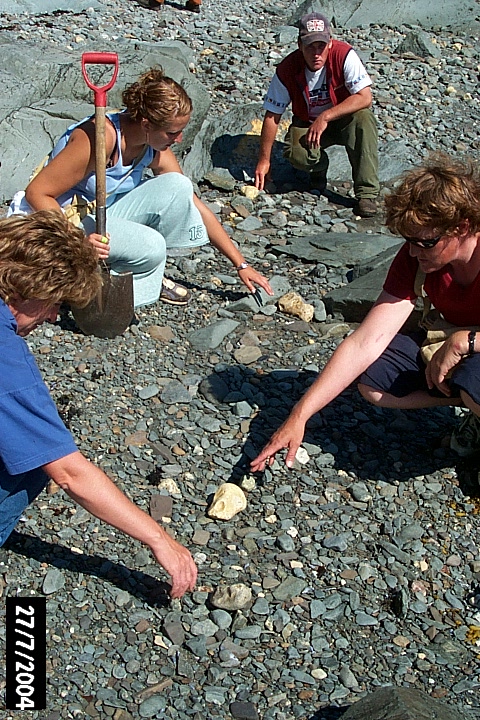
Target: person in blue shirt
(44, 261)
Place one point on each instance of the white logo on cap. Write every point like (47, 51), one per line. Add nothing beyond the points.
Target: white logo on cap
(315, 25)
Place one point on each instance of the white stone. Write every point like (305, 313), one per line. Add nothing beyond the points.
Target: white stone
(227, 502)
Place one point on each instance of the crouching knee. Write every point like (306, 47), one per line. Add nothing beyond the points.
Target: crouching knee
(370, 394)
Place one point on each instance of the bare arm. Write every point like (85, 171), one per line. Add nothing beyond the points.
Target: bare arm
(167, 162)
(93, 490)
(351, 104)
(69, 167)
(267, 138)
(357, 352)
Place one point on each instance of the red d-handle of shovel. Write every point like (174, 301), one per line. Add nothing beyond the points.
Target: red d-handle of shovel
(100, 58)
(100, 97)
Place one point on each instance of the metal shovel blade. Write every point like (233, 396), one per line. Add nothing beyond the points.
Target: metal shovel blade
(111, 311)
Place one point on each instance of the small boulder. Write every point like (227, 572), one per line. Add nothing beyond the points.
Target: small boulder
(227, 502)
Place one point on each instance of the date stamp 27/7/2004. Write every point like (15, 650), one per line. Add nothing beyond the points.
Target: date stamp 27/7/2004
(25, 660)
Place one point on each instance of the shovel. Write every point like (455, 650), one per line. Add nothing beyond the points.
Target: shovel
(111, 310)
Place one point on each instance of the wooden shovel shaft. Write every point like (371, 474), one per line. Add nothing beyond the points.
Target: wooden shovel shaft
(100, 171)
(100, 98)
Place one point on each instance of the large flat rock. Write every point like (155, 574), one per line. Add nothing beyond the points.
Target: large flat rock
(338, 249)
(353, 301)
(40, 7)
(401, 703)
(42, 98)
(353, 13)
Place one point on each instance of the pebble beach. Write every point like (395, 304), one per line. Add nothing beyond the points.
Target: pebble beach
(358, 568)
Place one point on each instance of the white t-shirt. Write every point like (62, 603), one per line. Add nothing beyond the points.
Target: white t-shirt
(356, 78)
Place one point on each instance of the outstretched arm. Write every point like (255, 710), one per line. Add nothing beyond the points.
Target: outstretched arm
(267, 138)
(93, 490)
(357, 352)
(222, 242)
(167, 162)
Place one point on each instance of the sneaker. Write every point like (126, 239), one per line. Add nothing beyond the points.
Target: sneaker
(173, 293)
(365, 208)
(465, 438)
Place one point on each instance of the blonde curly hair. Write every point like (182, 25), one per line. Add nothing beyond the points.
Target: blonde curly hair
(45, 257)
(156, 98)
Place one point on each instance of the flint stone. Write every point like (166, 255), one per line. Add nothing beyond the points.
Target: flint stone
(53, 581)
(244, 710)
(246, 354)
(175, 632)
(279, 285)
(164, 333)
(399, 703)
(227, 502)
(240, 652)
(289, 588)
(210, 337)
(220, 178)
(175, 392)
(43, 97)
(231, 597)
(161, 506)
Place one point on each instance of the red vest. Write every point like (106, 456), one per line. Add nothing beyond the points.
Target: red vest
(291, 72)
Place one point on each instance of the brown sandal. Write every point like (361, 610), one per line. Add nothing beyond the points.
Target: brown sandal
(173, 293)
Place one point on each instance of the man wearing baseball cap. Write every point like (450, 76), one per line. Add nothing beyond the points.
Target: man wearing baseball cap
(329, 89)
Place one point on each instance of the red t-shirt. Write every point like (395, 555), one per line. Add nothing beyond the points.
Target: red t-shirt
(459, 304)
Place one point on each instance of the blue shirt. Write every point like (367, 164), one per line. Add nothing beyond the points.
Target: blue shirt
(31, 430)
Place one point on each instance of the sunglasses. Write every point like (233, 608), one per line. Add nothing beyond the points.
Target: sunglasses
(423, 243)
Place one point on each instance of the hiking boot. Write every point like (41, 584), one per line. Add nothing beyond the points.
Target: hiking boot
(193, 6)
(465, 438)
(365, 208)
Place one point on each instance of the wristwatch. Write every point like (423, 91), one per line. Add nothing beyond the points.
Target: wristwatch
(471, 343)
(242, 266)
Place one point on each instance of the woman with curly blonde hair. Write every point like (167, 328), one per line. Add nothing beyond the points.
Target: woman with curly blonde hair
(145, 218)
(44, 261)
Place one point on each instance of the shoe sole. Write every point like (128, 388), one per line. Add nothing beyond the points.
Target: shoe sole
(180, 303)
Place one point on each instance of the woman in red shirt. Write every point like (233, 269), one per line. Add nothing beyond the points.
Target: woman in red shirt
(436, 209)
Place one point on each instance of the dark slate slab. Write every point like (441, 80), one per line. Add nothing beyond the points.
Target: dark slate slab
(338, 249)
(401, 703)
(353, 301)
